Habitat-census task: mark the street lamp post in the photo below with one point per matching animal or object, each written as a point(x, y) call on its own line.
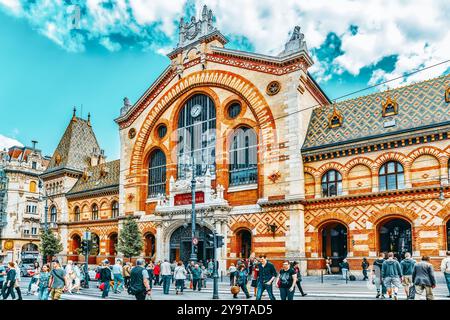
point(87, 235)
point(193, 214)
point(215, 272)
point(41, 185)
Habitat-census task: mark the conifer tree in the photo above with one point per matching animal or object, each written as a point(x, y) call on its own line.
point(50, 244)
point(130, 240)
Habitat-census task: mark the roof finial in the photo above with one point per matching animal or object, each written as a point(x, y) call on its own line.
point(89, 118)
point(74, 113)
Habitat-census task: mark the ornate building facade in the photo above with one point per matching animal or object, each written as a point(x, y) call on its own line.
point(20, 206)
point(278, 169)
point(377, 176)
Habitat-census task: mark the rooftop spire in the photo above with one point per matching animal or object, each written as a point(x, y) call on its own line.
point(74, 116)
point(89, 118)
point(191, 31)
point(295, 44)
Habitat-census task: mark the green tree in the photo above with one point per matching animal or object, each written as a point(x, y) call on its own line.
point(130, 240)
point(50, 244)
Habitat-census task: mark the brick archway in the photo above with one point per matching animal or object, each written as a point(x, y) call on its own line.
point(213, 78)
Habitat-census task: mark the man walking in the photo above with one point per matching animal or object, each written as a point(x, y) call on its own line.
point(391, 272)
point(407, 265)
point(105, 278)
point(266, 276)
point(58, 281)
point(423, 278)
point(166, 274)
point(196, 277)
point(344, 267)
point(378, 281)
point(445, 268)
point(139, 281)
point(118, 276)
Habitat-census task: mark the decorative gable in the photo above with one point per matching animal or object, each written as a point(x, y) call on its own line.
point(335, 119)
point(390, 107)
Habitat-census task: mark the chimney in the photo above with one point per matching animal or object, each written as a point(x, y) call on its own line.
point(34, 142)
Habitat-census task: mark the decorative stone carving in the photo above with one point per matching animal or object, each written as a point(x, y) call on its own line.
point(295, 44)
point(194, 30)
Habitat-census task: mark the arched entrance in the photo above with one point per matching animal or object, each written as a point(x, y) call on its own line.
point(334, 243)
point(244, 243)
point(149, 245)
point(95, 249)
point(30, 247)
point(112, 244)
point(395, 235)
point(75, 245)
point(180, 244)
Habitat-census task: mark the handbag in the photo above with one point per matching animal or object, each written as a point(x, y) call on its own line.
point(102, 286)
point(34, 288)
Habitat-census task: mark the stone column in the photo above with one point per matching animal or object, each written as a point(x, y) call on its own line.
point(295, 236)
point(160, 245)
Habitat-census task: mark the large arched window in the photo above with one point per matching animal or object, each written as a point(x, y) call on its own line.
point(157, 174)
point(391, 176)
point(94, 212)
point(197, 136)
point(243, 157)
point(331, 184)
point(53, 214)
point(77, 214)
point(115, 209)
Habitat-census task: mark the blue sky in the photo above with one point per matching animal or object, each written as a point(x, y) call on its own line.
point(47, 68)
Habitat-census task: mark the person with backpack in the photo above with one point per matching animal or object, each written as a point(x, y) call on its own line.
point(377, 279)
point(179, 274)
point(105, 278)
point(423, 278)
point(391, 272)
point(445, 269)
point(299, 278)
point(287, 279)
point(58, 281)
point(407, 265)
point(156, 273)
point(365, 265)
point(241, 277)
point(139, 281)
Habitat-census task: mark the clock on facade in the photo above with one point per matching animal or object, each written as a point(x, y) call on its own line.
point(196, 110)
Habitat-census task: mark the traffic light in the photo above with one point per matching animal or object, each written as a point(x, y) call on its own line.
point(210, 239)
point(219, 241)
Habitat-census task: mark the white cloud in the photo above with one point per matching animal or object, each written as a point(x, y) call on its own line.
point(416, 31)
point(6, 142)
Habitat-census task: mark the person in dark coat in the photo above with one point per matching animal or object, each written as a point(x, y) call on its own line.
point(423, 278)
point(365, 265)
point(10, 282)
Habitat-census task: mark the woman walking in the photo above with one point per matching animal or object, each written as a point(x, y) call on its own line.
point(286, 281)
point(34, 278)
point(17, 283)
point(42, 283)
point(241, 280)
point(179, 275)
point(254, 283)
point(10, 282)
point(232, 271)
point(299, 278)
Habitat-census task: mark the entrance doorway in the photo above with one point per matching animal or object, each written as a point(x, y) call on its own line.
point(334, 243)
point(395, 236)
point(244, 243)
point(149, 245)
point(180, 244)
point(76, 244)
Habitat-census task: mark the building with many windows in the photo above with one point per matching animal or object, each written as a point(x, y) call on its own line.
point(278, 169)
point(20, 205)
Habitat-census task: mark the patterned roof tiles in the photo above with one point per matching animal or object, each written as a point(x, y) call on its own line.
point(99, 177)
point(419, 105)
point(75, 147)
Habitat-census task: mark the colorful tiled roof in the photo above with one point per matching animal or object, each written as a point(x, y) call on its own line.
point(75, 147)
point(100, 177)
point(419, 105)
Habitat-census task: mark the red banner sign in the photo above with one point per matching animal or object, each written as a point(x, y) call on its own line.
point(186, 198)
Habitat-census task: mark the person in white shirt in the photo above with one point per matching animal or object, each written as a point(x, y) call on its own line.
point(179, 275)
point(117, 270)
point(166, 274)
point(445, 268)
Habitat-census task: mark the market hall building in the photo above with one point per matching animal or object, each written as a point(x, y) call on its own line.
point(279, 170)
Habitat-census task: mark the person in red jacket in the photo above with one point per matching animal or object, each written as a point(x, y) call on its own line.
point(156, 272)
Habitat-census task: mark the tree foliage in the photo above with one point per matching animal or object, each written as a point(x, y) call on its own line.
point(50, 244)
point(130, 239)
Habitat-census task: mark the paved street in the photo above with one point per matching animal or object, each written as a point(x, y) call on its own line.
point(333, 288)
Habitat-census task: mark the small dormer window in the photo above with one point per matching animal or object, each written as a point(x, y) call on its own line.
point(447, 95)
point(335, 119)
point(390, 107)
